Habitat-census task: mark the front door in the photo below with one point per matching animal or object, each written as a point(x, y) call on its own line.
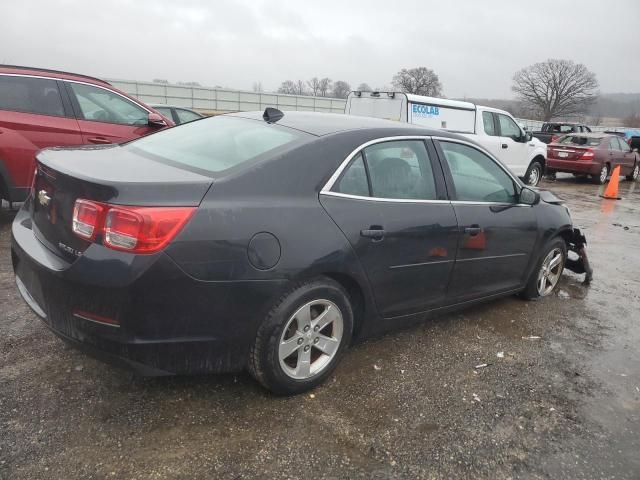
point(106, 117)
point(496, 234)
point(391, 205)
point(514, 149)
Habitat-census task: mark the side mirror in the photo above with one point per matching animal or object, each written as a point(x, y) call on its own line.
point(528, 136)
point(528, 196)
point(156, 120)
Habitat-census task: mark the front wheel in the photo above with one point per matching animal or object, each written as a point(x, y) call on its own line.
point(534, 173)
point(545, 277)
point(302, 338)
point(634, 173)
point(601, 177)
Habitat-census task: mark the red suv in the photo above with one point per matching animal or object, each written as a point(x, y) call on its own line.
point(46, 108)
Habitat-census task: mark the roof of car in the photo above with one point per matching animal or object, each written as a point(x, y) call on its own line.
point(320, 124)
point(45, 72)
point(164, 105)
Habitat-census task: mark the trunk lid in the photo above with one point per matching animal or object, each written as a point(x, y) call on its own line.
point(566, 152)
point(107, 174)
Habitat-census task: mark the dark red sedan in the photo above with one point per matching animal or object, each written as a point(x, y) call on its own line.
point(593, 154)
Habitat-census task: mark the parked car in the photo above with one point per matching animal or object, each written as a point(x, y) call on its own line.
point(43, 108)
point(496, 130)
point(630, 135)
point(594, 154)
point(179, 115)
point(552, 131)
point(273, 243)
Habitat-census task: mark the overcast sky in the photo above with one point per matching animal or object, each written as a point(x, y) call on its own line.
point(474, 46)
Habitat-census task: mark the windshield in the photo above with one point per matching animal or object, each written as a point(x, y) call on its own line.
point(580, 140)
point(218, 143)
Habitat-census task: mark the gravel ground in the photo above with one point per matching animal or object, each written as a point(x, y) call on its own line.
point(565, 404)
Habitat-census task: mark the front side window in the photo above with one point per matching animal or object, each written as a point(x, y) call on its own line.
point(30, 95)
point(217, 143)
point(508, 128)
point(100, 105)
point(477, 177)
point(186, 116)
point(624, 146)
point(489, 126)
point(613, 144)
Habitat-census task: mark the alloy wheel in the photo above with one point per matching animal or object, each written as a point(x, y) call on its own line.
point(603, 174)
point(534, 177)
point(636, 172)
point(550, 272)
point(311, 339)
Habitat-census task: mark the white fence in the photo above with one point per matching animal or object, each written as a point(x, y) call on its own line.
point(212, 101)
point(221, 100)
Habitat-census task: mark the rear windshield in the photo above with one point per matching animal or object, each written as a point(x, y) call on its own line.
point(218, 143)
point(581, 141)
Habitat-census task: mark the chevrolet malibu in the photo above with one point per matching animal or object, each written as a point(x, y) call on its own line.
point(273, 241)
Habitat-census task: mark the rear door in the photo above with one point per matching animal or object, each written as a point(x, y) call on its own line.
point(391, 204)
point(34, 114)
point(496, 234)
point(105, 116)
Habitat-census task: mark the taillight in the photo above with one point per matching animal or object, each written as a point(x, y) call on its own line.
point(588, 154)
point(144, 229)
point(130, 229)
point(87, 219)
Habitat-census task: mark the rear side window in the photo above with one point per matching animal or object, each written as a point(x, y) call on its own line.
point(100, 105)
point(30, 95)
point(395, 170)
point(218, 143)
point(489, 126)
point(580, 140)
point(476, 177)
point(624, 146)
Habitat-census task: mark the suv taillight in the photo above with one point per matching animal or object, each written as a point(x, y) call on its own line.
point(130, 229)
point(588, 154)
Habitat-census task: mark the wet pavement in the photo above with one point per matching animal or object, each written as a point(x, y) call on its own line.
point(559, 397)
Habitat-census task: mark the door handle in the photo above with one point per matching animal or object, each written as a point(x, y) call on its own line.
point(504, 145)
point(375, 232)
point(473, 230)
point(98, 140)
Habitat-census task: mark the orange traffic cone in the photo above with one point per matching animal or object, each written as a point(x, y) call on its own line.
point(611, 191)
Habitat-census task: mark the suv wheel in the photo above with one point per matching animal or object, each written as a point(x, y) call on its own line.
point(601, 177)
point(634, 173)
point(301, 340)
point(534, 173)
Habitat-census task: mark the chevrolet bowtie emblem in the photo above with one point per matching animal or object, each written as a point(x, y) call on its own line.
point(43, 198)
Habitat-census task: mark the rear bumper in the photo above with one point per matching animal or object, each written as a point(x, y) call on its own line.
point(167, 322)
point(574, 166)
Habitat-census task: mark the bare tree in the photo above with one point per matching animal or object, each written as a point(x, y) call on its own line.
point(556, 88)
point(314, 85)
point(257, 87)
point(364, 87)
point(419, 81)
point(301, 89)
point(189, 84)
point(293, 88)
point(325, 86)
point(160, 80)
point(341, 89)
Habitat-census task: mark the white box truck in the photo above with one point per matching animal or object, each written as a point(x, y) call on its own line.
point(495, 130)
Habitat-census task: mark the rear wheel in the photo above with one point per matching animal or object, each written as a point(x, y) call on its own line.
point(633, 176)
point(534, 173)
point(545, 277)
point(302, 339)
point(601, 177)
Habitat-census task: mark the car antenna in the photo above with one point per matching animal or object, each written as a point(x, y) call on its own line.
point(272, 115)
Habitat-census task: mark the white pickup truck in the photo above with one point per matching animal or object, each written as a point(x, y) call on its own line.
point(496, 130)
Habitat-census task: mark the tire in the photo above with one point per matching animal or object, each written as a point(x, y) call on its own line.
point(635, 173)
point(601, 178)
point(533, 290)
point(285, 373)
point(534, 173)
